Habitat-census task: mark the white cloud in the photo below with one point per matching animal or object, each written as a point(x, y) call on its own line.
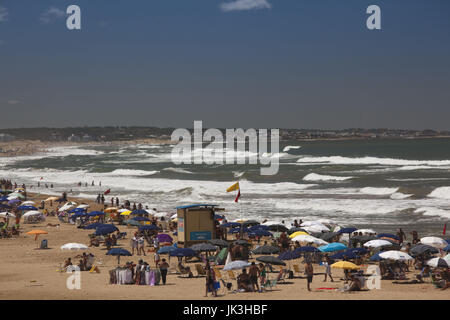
point(13, 102)
point(3, 14)
point(52, 14)
point(239, 5)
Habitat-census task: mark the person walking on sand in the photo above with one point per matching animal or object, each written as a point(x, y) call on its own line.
point(163, 267)
point(133, 243)
point(309, 271)
point(209, 286)
point(141, 245)
point(327, 269)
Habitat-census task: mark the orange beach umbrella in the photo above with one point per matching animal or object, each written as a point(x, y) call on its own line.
point(37, 232)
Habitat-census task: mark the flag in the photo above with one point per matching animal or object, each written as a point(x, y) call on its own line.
point(234, 187)
point(238, 196)
point(445, 228)
point(107, 191)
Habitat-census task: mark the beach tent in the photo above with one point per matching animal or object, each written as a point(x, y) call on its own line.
point(434, 242)
point(74, 246)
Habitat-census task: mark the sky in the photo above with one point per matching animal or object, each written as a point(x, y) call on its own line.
point(230, 63)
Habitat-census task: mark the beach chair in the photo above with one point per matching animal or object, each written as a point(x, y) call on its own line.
point(200, 271)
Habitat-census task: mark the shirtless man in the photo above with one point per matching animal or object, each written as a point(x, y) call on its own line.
point(309, 271)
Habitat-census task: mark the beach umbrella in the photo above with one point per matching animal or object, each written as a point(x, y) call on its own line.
point(292, 230)
point(235, 265)
point(105, 229)
point(78, 215)
point(266, 250)
point(358, 251)
point(271, 260)
point(447, 248)
point(447, 258)
point(219, 242)
point(65, 207)
point(132, 222)
point(335, 246)
point(346, 254)
point(62, 200)
point(434, 242)
point(364, 231)
point(96, 213)
point(51, 199)
point(326, 221)
point(363, 239)
point(328, 235)
point(316, 228)
point(118, 252)
point(140, 219)
point(250, 223)
point(260, 233)
point(150, 227)
point(83, 206)
point(345, 265)
point(139, 212)
point(309, 239)
point(438, 263)
point(423, 248)
point(13, 201)
point(238, 230)
point(36, 233)
point(377, 243)
point(307, 249)
point(183, 252)
point(125, 213)
point(290, 255)
point(111, 210)
point(203, 247)
point(5, 206)
point(157, 214)
point(230, 225)
point(395, 255)
point(31, 213)
point(242, 242)
point(387, 235)
point(28, 203)
point(77, 210)
point(7, 214)
point(74, 246)
point(166, 249)
point(375, 257)
point(26, 208)
point(259, 227)
point(278, 228)
point(298, 233)
point(94, 225)
point(163, 237)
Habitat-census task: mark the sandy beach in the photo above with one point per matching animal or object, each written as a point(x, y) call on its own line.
point(30, 273)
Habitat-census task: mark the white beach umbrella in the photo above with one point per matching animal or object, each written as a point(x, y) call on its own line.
point(395, 255)
point(377, 243)
point(174, 216)
point(364, 231)
point(31, 213)
point(74, 246)
point(83, 206)
point(434, 242)
point(438, 263)
point(447, 258)
point(9, 214)
point(308, 239)
point(160, 214)
point(27, 203)
point(66, 207)
point(237, 264)
point(310, 223)
point(271, 222)
point(316, 228)
point(151, 211)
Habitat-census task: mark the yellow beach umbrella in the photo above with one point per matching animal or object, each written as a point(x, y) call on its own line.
point(298, 233)
point(345, 265)
point(125, 213)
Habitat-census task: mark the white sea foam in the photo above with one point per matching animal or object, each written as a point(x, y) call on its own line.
point(177, 170)
point(432, 211)
point(131, 172)
point(287, 148)
point(371, 161)
point(440, 193)
point(378, 191)
point(320, 177)
point(238, 174)
point(399, 196)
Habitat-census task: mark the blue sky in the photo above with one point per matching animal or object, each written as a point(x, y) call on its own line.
point(285, 64)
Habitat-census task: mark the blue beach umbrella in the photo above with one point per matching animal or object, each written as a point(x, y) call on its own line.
point(106, 229)
point(230, 225)
point(238, 230)
point(358, 251)
point(77, 210)
point(140, 219)
point(447, 248)
point(347, 230)
point(290, 255)
point(78, 215)
point(4, 198)
point(118, 252)
point(341, 255)
point(139, 212)
point(150, 227)
point(259, 233)
point(96, 213)
point(166, 249)
point(183, 252)
point(26, 208)
point(13, 201)
point(331, 247)
point(259, 227)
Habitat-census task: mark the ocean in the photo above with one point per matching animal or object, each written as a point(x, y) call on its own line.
point(382, 184)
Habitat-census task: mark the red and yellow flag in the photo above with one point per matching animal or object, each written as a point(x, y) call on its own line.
point(234, 187)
